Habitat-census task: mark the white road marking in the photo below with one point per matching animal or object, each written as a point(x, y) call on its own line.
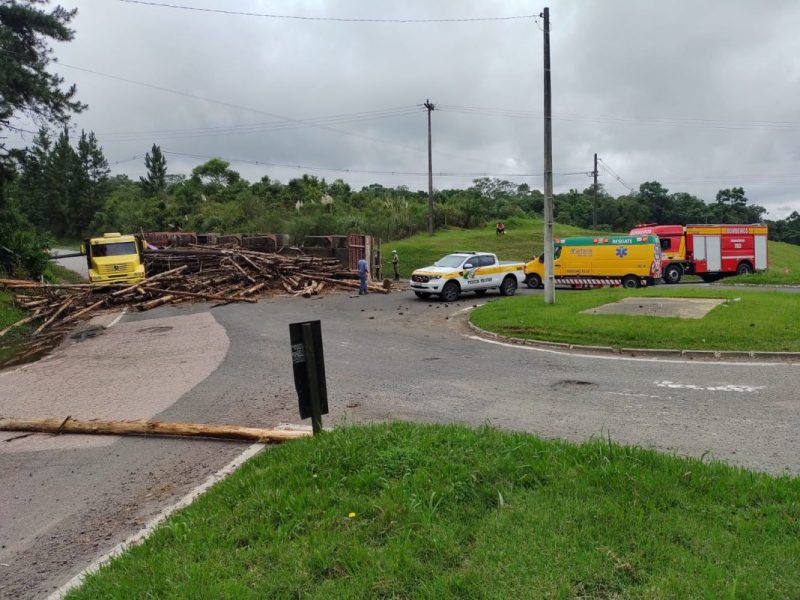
point(633, 395)
point(710, 388)
point(632, 358)
point(142, 534)
point(117, 319)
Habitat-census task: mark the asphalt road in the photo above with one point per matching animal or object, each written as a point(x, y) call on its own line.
point(387, 357)
point(73, 263)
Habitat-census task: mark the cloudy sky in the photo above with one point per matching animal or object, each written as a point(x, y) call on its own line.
point(697, 95)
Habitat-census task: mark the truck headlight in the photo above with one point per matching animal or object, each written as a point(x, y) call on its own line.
point(435, 277)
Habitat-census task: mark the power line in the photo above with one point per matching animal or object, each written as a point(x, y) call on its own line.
point(333, 19)
point(361, 171)
point(611, 172)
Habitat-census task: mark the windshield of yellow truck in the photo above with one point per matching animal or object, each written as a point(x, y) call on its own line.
point(115, 249)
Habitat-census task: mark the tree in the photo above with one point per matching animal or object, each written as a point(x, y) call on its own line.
point(215, 173)
point(155, 182)
point(26, 87)
point(655, 198)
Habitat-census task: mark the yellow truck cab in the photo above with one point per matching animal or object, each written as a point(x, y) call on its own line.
point(114, 258)
point(628, 261)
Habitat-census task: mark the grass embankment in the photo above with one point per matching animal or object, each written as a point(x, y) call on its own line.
point(450, 512)
point(10, 314)
point(759, 320)
point(523, 239)
point(57, 274)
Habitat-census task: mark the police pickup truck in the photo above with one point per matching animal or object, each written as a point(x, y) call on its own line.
point(467, 272)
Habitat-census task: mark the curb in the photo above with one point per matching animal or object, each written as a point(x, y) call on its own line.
point(732, 355)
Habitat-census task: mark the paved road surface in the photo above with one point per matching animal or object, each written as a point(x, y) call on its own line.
point(73, 263)
point(387, 357)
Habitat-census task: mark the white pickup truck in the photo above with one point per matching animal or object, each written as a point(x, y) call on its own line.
point(467, 272)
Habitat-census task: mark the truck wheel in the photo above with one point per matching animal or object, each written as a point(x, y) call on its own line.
point(422, 295)
point(673, 274)
point(630, 281)
point(744, 268)
point(451, 291)
point(480, 292)
point(534, 281)
point(509, 286)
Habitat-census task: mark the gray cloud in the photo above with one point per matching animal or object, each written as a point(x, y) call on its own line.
point(700, 96)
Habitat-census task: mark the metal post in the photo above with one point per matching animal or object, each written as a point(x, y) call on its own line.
point(594, 194)
point(549, 279)
point(313, 384)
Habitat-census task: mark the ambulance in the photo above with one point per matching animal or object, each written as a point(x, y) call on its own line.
point(627, 261)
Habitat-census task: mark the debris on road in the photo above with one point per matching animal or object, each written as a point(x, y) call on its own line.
point(151, 428)
point(196, 273)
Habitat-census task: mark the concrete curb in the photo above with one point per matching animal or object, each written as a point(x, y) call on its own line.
point(731, 355)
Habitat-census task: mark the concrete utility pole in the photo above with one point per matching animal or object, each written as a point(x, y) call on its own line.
point(549, 279)
point(431, 107)
point(594, 194)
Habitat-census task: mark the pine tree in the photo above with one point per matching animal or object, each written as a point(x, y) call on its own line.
point(155, 182)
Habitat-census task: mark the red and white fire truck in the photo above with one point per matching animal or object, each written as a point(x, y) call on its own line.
point(710, 251)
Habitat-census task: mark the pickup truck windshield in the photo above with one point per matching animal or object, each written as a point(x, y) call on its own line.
point(451, 261)
point(117, 249)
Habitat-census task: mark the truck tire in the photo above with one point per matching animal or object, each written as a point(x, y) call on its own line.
point(451, 291)
point(533, 281)
point(630, 281)
point(509, 286)
point(422, 295)
point(744, 268)
point(673, 273)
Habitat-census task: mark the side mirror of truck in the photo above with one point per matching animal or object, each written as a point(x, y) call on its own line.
point(541, 258)
point(82, 248)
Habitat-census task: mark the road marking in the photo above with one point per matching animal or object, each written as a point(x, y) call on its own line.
point(633, 395)
point(142, 534)
point(710, 388)
point(117, 319)
point(632, 358)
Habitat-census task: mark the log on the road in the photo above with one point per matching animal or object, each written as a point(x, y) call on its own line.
point(150, 428)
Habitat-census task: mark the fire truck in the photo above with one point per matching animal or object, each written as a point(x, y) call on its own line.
point(710, 251)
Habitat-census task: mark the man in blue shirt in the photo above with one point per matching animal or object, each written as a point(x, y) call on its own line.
point(363, 273)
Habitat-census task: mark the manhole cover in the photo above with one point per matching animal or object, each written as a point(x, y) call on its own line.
point(162, 329)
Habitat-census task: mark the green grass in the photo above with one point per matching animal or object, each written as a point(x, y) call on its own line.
point(759, 320)
point(449, 512)
point(57, 274)
point(10, 314)
point(524, 238)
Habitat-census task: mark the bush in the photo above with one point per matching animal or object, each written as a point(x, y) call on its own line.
point(23, 249)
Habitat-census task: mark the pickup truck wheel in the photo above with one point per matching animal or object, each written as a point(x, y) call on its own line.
point(422, 295)
point(533, 281)
point(480, 292)
point(673, 274)
point(744, 268)
point(630, 282)
point(509, 286)
point(451, 291)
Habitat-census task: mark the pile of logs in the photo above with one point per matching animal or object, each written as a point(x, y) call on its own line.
point(221, 275)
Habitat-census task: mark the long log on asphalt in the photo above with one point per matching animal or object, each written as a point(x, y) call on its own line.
point(154, 428)
point(200, 295)
point(54, 316)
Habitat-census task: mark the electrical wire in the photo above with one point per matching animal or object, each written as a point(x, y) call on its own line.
point(363, 171)
point(333, 19)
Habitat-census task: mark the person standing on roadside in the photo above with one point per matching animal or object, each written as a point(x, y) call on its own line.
point(396, 265)
point(363, 273)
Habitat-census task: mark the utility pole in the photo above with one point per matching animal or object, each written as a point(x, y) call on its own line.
point(431, 107)
point(594, 194)
point(549, 279)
